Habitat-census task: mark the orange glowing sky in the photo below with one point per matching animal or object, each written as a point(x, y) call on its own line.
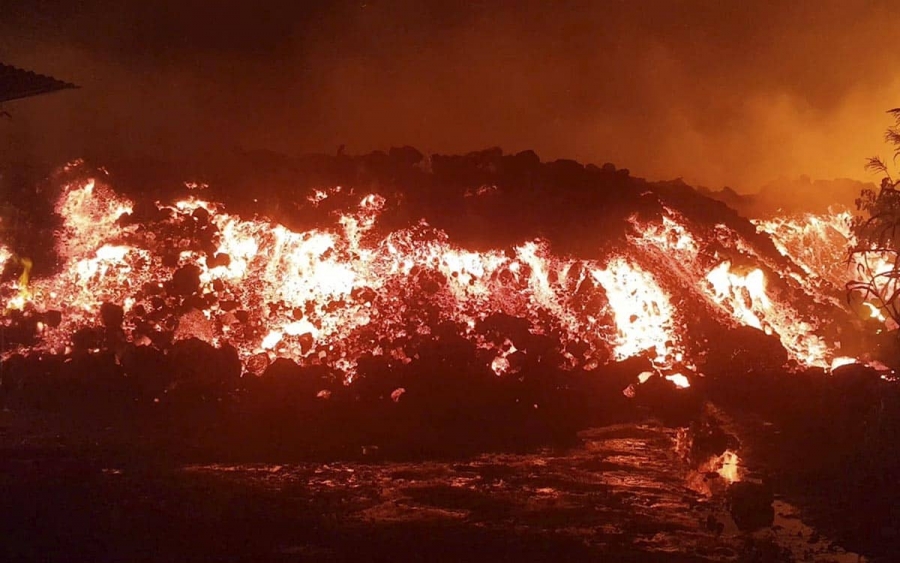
point(720, 93)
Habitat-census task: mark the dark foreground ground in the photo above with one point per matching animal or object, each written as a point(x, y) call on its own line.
point(456, 471)
point(622, 494)
point(829, 443)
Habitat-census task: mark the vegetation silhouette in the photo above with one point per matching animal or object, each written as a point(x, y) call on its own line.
point(877, 248)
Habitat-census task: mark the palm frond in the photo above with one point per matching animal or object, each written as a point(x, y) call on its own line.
point(875, 164)
point(892, 136)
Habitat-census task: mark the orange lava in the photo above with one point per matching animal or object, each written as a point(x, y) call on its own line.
point(328, 296)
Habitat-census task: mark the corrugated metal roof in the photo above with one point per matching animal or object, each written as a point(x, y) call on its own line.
point(16, 83)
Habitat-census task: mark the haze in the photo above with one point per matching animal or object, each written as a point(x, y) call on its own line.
point(719, 93)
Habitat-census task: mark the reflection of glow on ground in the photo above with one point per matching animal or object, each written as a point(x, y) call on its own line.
point(623, 483)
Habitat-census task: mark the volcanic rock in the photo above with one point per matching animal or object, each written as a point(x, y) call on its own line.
point(673, 406)
point(499, 326)
point(218, 259)
point(229, 363)
point(12, 372)
point(306, 342)
point(22, 331)
point(855, 374)
point(111, 315)
point(566, 172)
point(258, 363)
point(407, 155)
point(150, 368)
point(742, 350)
point(200, 369)
point(282, 369)
point(87, 339)
point(750, 505)
point(185, 280)
point(52, 318)
point(524, 161)
point(284, 383)
point(708, 439)
point(201, 215)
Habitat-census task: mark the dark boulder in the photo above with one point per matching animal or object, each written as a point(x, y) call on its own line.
point(750, 505)
point(185, 280)
point(112, 315)
point(407, 155)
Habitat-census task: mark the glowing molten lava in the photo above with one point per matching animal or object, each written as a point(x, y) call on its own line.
point(642, 311)
point(329, 296)
point(819, 244)
point(745, 294)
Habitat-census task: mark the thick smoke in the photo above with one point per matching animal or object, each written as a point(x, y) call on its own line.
point(717, 93)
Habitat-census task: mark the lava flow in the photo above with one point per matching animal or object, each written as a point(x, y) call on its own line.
point(819, 244)
point(327, 296)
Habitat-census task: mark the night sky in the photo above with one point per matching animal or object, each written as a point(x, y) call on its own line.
point(720, 93)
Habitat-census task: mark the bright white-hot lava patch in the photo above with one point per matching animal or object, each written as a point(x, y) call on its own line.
point(643, 313)
point(744, 294)
point(5, 256)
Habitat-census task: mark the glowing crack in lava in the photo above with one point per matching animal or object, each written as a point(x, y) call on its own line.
point(329, 296)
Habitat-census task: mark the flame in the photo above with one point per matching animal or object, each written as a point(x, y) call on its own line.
point(728, 466)
point(24, 277)
point(23, 293)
